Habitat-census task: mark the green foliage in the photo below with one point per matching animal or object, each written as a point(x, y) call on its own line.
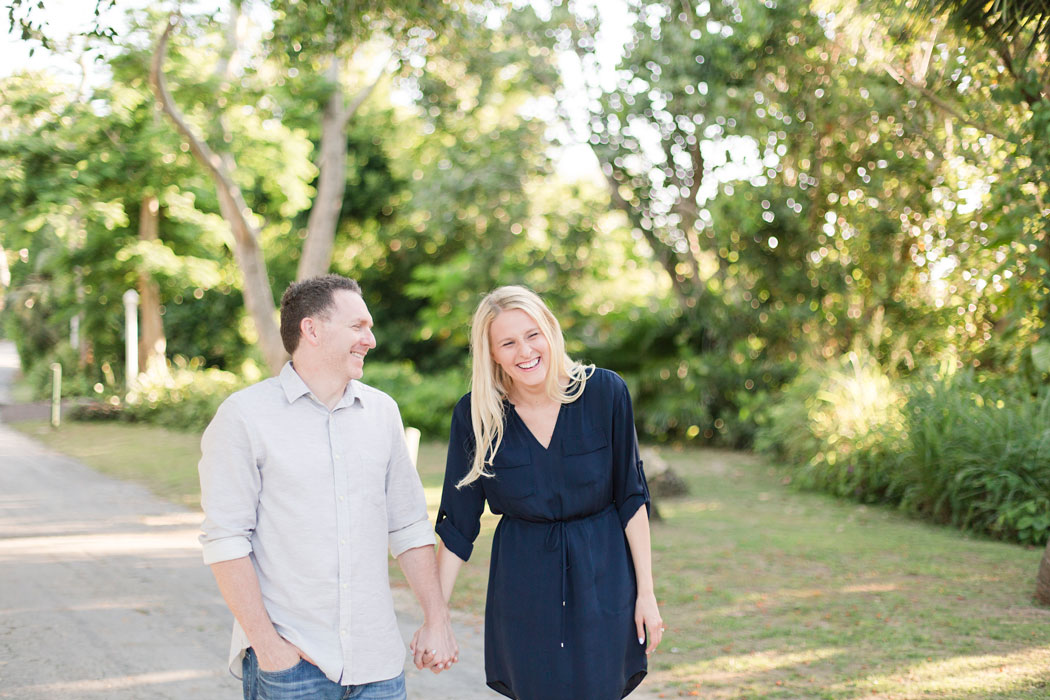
point(836, 424)
point(183, 398)
point(426, 401)
point(955, 447)
point(977, 455)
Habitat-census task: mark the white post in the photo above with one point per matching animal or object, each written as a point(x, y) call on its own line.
point(412, 439)
point(56, 394)
point(131, 337)
point(74, 333)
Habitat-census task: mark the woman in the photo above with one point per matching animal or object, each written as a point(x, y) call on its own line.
point(551, 445)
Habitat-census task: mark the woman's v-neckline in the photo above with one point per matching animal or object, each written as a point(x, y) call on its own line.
point(554, 430)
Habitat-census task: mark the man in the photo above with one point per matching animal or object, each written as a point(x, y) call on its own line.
point(305, 483)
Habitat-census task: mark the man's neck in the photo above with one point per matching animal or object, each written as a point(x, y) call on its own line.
point(325, 388)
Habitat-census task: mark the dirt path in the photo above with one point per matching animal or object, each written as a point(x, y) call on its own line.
point(103, 595)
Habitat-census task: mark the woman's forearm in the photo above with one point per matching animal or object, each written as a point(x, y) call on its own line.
point(637, 532)
point(448, 569)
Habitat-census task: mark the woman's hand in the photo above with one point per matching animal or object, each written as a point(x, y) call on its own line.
point(647, 616)
point(434, 647)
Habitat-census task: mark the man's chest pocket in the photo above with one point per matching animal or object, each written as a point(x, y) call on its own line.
point(586, 458)
point(367, 478)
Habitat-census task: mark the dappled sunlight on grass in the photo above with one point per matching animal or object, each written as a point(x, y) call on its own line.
point(870, 588)
point(670, 509)
point(962, 676)
point(729, 667)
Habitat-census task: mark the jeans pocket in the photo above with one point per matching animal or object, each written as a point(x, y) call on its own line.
point(392, 689)
point(304, 681)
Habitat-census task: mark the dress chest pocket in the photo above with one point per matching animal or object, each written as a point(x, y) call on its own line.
point(586, 458)
point(514, 476)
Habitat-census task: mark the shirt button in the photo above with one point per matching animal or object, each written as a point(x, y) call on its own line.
point(342, 541)
point(342, 632)
point(341, 498)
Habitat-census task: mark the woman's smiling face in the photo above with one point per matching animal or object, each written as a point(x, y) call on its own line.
point(519, 348)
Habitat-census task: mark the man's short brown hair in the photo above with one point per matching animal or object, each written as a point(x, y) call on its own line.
point(312, 297)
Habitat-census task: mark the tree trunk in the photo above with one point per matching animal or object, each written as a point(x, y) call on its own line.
point(331, 180)
point(258, 296)
point(152, 343)
point(331, 184)
point(1042, 581)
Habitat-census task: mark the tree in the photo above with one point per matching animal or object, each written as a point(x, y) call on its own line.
point(344, 26)
point(1016, 39)
point(1019, 35)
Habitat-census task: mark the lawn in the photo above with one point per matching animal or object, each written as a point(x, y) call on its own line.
point(766, 592)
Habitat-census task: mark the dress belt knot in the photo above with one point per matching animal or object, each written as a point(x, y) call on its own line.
point(557, 539)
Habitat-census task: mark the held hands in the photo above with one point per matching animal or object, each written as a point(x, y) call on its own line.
point(647, 616)
point(434, 646)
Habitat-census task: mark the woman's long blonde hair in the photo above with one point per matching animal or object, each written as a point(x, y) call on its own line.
point(489, 383)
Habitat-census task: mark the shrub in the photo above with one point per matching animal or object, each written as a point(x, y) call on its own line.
point(960, 448)
point(711, 398)
point(978, 456)
point(837, 423)
point(426, 401)
point(185, 397)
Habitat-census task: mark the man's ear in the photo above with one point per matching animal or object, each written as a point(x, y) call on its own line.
point(309, 330)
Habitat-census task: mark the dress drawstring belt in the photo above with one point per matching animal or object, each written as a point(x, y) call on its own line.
point(557, 538)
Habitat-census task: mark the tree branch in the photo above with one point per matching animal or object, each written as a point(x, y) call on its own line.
point(363, 94)
point(258, 296)
point(942, 104)
point(205, 155)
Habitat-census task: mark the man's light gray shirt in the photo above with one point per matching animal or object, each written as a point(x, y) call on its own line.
point(315, 498)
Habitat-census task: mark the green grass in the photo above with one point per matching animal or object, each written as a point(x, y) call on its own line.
point(21, 391)
point(766, 592)
point(165, 461)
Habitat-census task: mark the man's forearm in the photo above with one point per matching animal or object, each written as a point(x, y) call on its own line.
point(434, 644)
point(239, 586)
point(420, 568)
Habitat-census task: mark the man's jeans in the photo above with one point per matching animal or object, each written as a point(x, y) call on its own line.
point(305, 681)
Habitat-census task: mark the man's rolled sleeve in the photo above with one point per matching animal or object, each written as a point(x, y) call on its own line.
point(226, 549)
point(407, 522)
point(230, 485)
point(418, 534)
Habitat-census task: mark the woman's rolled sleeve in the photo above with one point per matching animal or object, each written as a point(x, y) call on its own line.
point(459, 516)
point(630, 491)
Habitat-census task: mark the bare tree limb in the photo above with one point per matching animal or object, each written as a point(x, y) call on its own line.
point(363, 94)
point(321, 226)
point(258, 297)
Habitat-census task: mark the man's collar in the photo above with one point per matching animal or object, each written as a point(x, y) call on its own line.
point(295, 388)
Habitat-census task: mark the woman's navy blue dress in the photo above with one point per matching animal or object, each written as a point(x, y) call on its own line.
point(559, 618)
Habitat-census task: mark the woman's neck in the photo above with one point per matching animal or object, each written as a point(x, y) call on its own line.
point(530, 396)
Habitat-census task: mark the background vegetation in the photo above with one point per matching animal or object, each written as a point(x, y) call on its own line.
point(818, 227)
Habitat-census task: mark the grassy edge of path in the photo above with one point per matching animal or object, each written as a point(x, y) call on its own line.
point(767, 592)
